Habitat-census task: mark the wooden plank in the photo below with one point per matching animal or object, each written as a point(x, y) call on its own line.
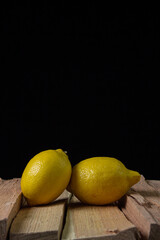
point(41, 222)
point(140, 216)
point(97, 222)
point(147, 191)
point(155, 184)
point(141, 206)
point(10, 202)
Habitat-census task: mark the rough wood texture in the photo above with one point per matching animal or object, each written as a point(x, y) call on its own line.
point(155, 184)
point(141, 206)
point(41, 222)
point(147, 191)
point(10, 202)
point(97, 222)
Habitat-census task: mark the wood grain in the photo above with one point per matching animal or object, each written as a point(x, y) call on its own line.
point(155, 184)
point(147, 191)
point(41, 222)
point(10, 202)
point(97, 222)
point(141, 206)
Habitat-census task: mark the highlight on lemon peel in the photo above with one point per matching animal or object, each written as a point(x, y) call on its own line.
point(101, 180)
point(46, 176)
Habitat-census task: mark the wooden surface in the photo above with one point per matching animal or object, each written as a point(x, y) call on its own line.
point(155, 184)
point(10, 202)
point(97, 222)
point(135, 216)
point(141, 207)
point(41, 222)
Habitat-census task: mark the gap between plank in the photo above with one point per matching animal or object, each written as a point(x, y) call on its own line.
point(65, 214)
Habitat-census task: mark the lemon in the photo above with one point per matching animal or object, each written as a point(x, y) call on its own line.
point(101, 180)
point(46, 176)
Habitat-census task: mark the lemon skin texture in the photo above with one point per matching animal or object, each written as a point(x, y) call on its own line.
point(45, 177)
point(101, 180)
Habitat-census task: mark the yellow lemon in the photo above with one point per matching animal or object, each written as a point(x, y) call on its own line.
point(101, 180)
point(46, 176)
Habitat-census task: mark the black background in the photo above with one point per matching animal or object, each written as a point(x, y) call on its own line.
point(83, 78)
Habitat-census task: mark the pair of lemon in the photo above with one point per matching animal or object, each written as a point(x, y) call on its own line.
point(97, 180)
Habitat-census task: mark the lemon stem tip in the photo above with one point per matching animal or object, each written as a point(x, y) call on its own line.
point(134, 177)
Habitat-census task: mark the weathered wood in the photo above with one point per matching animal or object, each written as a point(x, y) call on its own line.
point(10, 202)
point(141, 206)
point(155, 184)
point(97, 222)
point(41, 222)
point(147, 191)
point(140, 217)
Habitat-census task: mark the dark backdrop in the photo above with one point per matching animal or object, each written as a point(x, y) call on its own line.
point(80, 78)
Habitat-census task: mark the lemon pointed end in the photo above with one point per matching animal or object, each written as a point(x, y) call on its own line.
point(134, 177)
